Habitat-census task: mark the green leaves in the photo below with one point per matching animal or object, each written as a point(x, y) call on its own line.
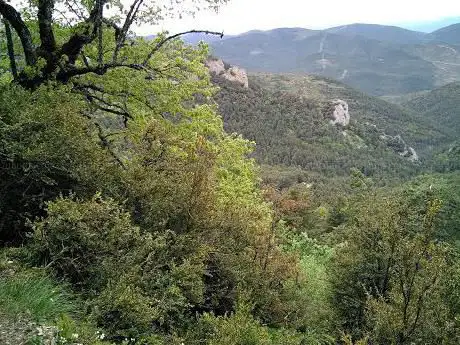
point(388, 276)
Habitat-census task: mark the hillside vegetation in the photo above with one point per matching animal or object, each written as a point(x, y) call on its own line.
point(134, 211)
point(295, 131)
point(442, 106)
point(288, 116)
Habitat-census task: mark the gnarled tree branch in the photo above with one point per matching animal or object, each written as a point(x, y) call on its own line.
point(45, 20)
point(14, 18)
point(130, 17)
point(10, 48)
point(75, 44)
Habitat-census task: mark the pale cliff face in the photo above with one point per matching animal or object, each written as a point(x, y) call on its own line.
point(234, 74)
point(340, 114)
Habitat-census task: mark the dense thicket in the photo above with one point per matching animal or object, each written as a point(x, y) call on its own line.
point(151, 213)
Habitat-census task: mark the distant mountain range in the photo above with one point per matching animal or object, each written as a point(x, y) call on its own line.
point(431, 25)
point(377, 59)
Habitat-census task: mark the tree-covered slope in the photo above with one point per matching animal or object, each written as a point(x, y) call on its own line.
point(289, 118)
point(449, 34)
point(442, 106)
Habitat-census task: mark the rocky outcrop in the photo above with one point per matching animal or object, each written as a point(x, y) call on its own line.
point(396, 143)
point(409, 153)
point(340, 114)
point(231, 73)
point(399, 146)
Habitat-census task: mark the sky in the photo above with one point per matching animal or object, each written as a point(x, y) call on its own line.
point(240, 16)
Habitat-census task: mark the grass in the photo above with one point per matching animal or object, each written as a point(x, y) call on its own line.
point(36, 297)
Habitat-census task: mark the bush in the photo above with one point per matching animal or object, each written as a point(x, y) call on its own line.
point(87, 242)
point(46, 148)
point(241, 328)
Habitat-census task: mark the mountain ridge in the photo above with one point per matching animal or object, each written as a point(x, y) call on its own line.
point(379, 60)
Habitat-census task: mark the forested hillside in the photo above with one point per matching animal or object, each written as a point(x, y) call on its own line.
point(441, 107)
point(293, 130)
point(288, 116)
point(136, 208)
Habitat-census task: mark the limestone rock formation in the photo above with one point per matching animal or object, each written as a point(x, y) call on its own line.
point(231, 73)
point(340, 114)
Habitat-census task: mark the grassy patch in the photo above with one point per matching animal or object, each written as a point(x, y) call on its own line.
point(37, 297)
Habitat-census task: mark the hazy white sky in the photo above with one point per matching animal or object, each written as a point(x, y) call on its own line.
point(243, 15)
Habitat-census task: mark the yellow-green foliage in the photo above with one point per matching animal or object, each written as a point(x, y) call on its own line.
point(154, 223)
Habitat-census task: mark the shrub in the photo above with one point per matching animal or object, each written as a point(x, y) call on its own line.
point(87, 242)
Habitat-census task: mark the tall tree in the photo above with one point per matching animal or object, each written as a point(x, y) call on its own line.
point(98, 35)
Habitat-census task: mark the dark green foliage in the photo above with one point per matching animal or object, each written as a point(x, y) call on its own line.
point(445, 188)
point(440, 106)
point(388, 276)
point(294, 130)
point(85, 242)
point(46, 148)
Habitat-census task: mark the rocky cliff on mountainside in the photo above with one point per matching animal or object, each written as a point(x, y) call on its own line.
point(231, 73)
point(340, 114)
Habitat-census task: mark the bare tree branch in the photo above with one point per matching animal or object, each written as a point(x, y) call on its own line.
point(100, 102)
point(130, 17)
point(65, 75)
point(104, 142)
point(100, 54)
point(169, 38)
